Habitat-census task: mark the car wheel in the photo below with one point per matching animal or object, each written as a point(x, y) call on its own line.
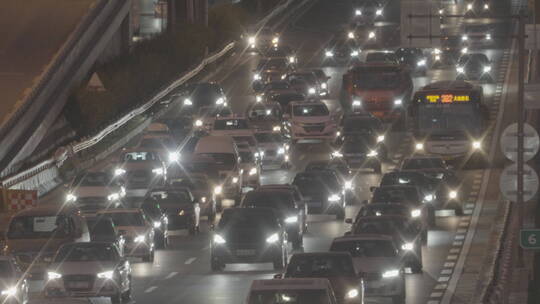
point(216, 265)
point(340, 215)
point(399, 299)
point(116, 299)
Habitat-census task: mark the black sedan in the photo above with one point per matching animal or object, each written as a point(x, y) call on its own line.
point(322, 192)
point(180, 206)
point(414, 58)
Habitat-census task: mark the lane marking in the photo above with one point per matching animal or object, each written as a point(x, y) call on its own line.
point(443, 279)
point(447, 271)
point(190, 260)
point(436, 295)
point(171, 275)
point(449, 264)
point(150, 289)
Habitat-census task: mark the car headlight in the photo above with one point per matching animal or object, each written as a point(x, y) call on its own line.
point(311, 91)
point(218, 239)
point(372, 153)
point(334, 198)
point(350, 35)
point(437, 51)
point(157, 224)
point(437, 57)
point(253, 171)
point(220, 101)
point(324, 85)
point(119, 171)
point(452, 194)
point(371, 35)
point(9, 292)
point(140, 239)
point(337, 154)
point(291, 219)
point(113, 197)
point(487, 69)
point(428, 198)
point(419, 146)
point(174, 156)
point(273, 238)
point(292, 59)
point(407, 246)
point(71, 197)
point(464, 50)
point(464, 38)
point(106, 275)
point(390, 273)
point(441, 11)
point(235, 180)
point(486, 6)
point(460, 70)
point(378, 12)
point(203, 199)
point(488, 36)
point(352, 293)
point(358, 12)
point(476, 144)
point(281, 151)
point(53, 275)
point(356, 103)
point(275, 40)
point(416, 213)
point(188, 102)
point(469, 6)
point(398, 102)
point(198, 123)
point(328, 54)
point(380, 138)
point(257, 77)
point(354, 54)
point(251, 40)
point(421, 62)
point(157, 171)
point(348, 185)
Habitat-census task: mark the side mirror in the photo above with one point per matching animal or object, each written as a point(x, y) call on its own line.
point(278, 276)
point(348, 221)
point(372, 188)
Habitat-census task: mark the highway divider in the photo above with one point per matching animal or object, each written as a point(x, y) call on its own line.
point(45, 176)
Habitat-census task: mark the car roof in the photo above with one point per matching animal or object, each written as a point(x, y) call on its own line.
point(364, 236)
point(120, 210)
point(291, 283)
point(449, 85)
point(384, 217)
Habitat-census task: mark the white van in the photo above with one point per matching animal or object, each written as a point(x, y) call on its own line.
point(223, 150)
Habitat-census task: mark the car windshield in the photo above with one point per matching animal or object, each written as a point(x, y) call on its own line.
point(247, 157)
point(402, 178)
point(408, 52)
point(366, 248)
point(320, 266)
point(314, 184)
point(375, 79)
point(222, 161)
point(172, 196)
point(308, 110)
point(93, 179)
point(192, 182)
point(308, 77)
point(385, 226)
point(230, 124)
point(381, 57)
point(127, 218)
point(352, 145)
point(363, 125)
point(268, 137)
point(285, 99)
point(270, 199)
point(277, 85)
point(289, 296)
point(46, 226)
point(86, 253)
point(396, 195)
point(98, 227)
point(247, 219)
point(423, 163)
point(474, 59)
point(6, 270)
point(139, 157)
point(384, 209)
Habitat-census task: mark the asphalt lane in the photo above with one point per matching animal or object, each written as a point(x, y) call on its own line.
point(181, 273)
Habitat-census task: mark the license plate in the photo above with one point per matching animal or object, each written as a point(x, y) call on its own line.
point(79, 285)
point(245, 252)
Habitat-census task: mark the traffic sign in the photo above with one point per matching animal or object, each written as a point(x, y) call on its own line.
point(531, 142)
point(423, 26)
point(508, 182)
point(529, 238)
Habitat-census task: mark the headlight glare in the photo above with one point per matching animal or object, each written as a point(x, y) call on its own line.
point(188, 102)
point(253, 171)
point(477, 144)
point(460, 70)
point(421, 62)
point(218, 190)
point(9, 292)
point(398, 102)
point(333, 198)
point(348, 185)
point(329, 54)
point(174, 156)
point(378, 12)
point(311, 91)
point(53, 275)
point(198, 123)
point(113, 197)
point(390, 273)
point(380, 138)
point(158, 171)
point(353, 293)
point(140, 239)
point(452, 194)
point(407, 246)
point(71, 197)
point(356, 103)
point(419, 146)
point(428, 198)
point(119, 171)
point(416, 213)
point(106, 275)
point(487, 69)
point(291, 219)
point(281, 151)
point(157, 224)
point(218, 239)
point(372, 153)
point(273, 238)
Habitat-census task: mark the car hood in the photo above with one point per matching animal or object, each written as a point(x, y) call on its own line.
point(174, 208)
point(270, 146)
point(312, 119)
point(92, 191)
point(35, 245)
point(132, 230)
point(376, 264)
point(135, 166)
point(70, 268)
point(374, 95)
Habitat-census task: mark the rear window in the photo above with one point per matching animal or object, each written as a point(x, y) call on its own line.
point(127, 218)
point(139, 156)
point(248, 219)
point(385, 226)
point(423, 163)
point(47, 226)
point(269, 199)
point(100, 227)
point(320, 266)
point(289, 296)
point(396, 194)
point(93, 179)
point(86, 253)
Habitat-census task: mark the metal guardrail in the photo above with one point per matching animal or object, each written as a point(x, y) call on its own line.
point(63, 153)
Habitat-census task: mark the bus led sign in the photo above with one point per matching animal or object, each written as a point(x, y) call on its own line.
point(447, 98)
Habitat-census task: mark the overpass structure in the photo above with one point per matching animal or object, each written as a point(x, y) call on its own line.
point(47, 48)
